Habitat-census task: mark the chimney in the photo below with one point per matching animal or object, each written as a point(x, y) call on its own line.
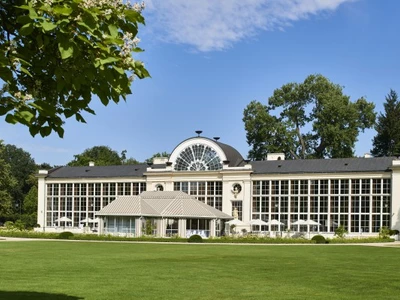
point(91, 163)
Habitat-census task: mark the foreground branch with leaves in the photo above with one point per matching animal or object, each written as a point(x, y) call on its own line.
point(55, 55)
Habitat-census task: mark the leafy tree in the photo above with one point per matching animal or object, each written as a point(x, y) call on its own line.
point(131, 161)
point(22, 166)
point(158, 154)
point(44, 166)
point(387, 140)
point(313, 119)
point(100, 155)
point(128, 161)
point(7, 184)
point(55, 55)
point(31, 201)
point(30, 206)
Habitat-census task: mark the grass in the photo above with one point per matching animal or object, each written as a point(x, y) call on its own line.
point(67, 270)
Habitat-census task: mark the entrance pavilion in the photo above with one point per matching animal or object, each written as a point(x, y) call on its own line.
point(162, 214)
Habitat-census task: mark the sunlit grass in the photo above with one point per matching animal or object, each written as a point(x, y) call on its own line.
point(104, 270)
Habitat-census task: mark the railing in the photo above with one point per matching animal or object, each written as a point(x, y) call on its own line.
point(202, 233)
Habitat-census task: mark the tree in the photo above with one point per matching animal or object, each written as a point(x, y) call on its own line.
point(55, 55)
point(30, 206)
point(100, 155)
point(7, 184)
point(387, 140)
point(158, 154)
point(128, 161)
point(22, 166)
point(317, 105)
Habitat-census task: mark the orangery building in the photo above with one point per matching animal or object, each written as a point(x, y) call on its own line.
point(205, 184)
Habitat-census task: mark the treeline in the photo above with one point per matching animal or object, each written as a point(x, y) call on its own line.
point(18, 185)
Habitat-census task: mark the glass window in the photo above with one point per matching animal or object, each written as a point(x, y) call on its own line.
point(198, 157)
point(323, 187)
point(344, 186)
point(376, 186)
point(386, 186)
point(294, 187)
point(355, 186)
point(275, 187)
point(365, 186)
point(284, 187)
point(239, 207)
point(334, 187)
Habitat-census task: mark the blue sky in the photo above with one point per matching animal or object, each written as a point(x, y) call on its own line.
point(208, 59)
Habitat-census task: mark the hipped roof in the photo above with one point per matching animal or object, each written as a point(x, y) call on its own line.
point(162, 204)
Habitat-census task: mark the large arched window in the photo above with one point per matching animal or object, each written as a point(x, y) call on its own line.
point(198, 157)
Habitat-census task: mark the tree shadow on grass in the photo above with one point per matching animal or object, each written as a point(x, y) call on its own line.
point(24, 295)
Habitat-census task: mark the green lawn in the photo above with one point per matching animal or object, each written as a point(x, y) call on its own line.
point(103, 270)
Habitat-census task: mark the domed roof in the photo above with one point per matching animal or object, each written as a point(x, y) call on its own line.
point(204, 154)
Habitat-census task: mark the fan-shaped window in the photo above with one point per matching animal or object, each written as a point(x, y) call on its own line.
point(198, 157)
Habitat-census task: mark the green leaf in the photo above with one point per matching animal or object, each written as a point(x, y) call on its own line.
point(26, 71)
point(48, 26)
point(66, 49)
point(11, 119)
point(79, 118)
point(119, 70)
point(24, 19)
point(109, 60)
point(113, 30)
point(45, 131)
point(4, 109)
point(39, 40)
point(44, 107)
point(26, 29)
point(33, 130)
point(25, 115)
point(68, 113)
point(6, 74)
point(60, 131)
point(62, 10)
point(133, 16)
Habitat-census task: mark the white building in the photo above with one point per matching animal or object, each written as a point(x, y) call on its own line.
point(363, 194)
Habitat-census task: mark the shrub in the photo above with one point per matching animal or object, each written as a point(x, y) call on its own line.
point(384, 232)
point(341, 232)
point(65, 235)
point(319, 239)
point(393, 232)
point(195, 239)
point(9, 225)
point(19, 225)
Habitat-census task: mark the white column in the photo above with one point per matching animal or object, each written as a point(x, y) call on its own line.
point(101, 226)
point(138, 227)
point(161, 226)
point(212, 228)
point(182, 228)
point(395, 211)
point(41, 213)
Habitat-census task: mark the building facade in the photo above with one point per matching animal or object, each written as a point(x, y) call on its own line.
point(362, 194)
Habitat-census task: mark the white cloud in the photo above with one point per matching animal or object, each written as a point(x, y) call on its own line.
point(209, 25)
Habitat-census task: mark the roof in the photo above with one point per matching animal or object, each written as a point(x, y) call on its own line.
point(162, 204)
point(98, 171)
point(234, 157)
point(339, 165)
